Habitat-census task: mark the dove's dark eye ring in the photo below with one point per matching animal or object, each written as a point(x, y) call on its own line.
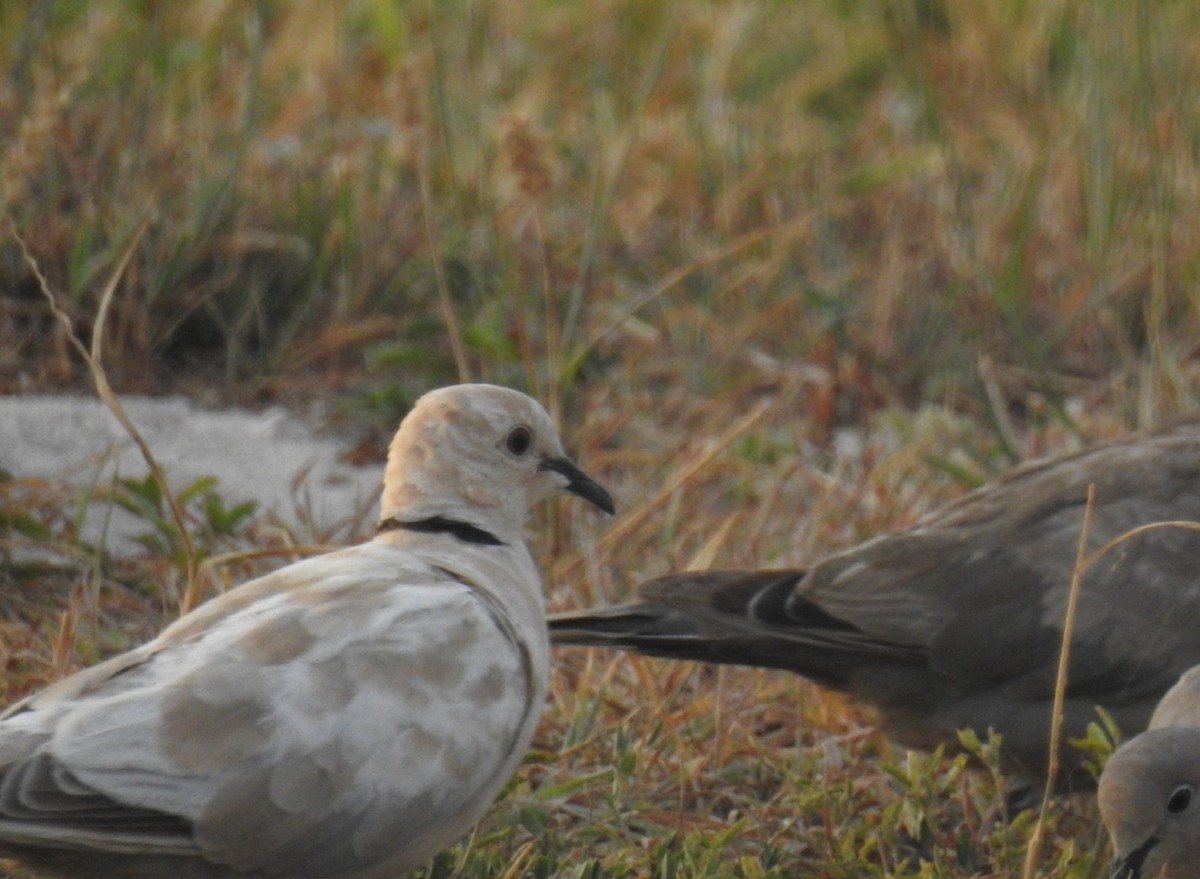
point(519, 440)
point(1180, 799)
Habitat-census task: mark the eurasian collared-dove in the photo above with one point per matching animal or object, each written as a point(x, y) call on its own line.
point(957, 621)
point(1148, 791)
point(346, 716)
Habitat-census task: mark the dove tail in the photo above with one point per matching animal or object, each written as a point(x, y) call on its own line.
point(753, 618)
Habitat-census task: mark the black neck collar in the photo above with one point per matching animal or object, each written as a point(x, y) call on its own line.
point(440, 525)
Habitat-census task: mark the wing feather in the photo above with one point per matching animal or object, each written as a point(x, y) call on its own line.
point(217, 747)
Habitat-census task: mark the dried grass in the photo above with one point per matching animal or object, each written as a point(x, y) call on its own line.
point(788, 274)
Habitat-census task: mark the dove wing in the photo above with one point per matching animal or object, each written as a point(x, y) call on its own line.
point(354, 706)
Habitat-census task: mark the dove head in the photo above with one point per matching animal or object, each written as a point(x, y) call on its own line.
point(480, 455)
point(1149, 797)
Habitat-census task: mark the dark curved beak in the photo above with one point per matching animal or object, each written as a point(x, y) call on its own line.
point(580, 483)
point(1130, 866)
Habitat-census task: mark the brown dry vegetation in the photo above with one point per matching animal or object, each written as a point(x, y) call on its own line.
point(789, 273)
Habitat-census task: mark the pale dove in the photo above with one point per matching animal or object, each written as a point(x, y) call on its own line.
point(1148, 791)
point(957, 622)
point(1181, 705)
point(346, 716)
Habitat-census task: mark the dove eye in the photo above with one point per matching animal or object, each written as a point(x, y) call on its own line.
point(1180, 799)
point(519, 440)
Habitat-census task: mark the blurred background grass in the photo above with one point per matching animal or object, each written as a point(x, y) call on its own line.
point(936, 237)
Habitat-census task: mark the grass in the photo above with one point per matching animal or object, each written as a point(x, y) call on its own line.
point(788, 275)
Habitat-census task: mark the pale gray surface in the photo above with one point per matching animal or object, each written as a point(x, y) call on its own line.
point(269, 457)
point(1181, 705)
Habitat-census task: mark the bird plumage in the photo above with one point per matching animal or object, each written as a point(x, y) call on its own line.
point(346, 716)
point(957, 621)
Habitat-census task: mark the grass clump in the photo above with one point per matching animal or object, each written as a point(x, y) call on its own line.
point(788, 275)
point(481, 189)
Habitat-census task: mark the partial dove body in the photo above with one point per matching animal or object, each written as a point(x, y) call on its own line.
point(957, 621)
point(1181, 705)
point(349, 715)
point(1148, 791)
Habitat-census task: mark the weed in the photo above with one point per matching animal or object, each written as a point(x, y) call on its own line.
point(787, 274)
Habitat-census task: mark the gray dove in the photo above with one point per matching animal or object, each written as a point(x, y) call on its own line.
point(349, 715)
point(1148, 789)
point(957, 621)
